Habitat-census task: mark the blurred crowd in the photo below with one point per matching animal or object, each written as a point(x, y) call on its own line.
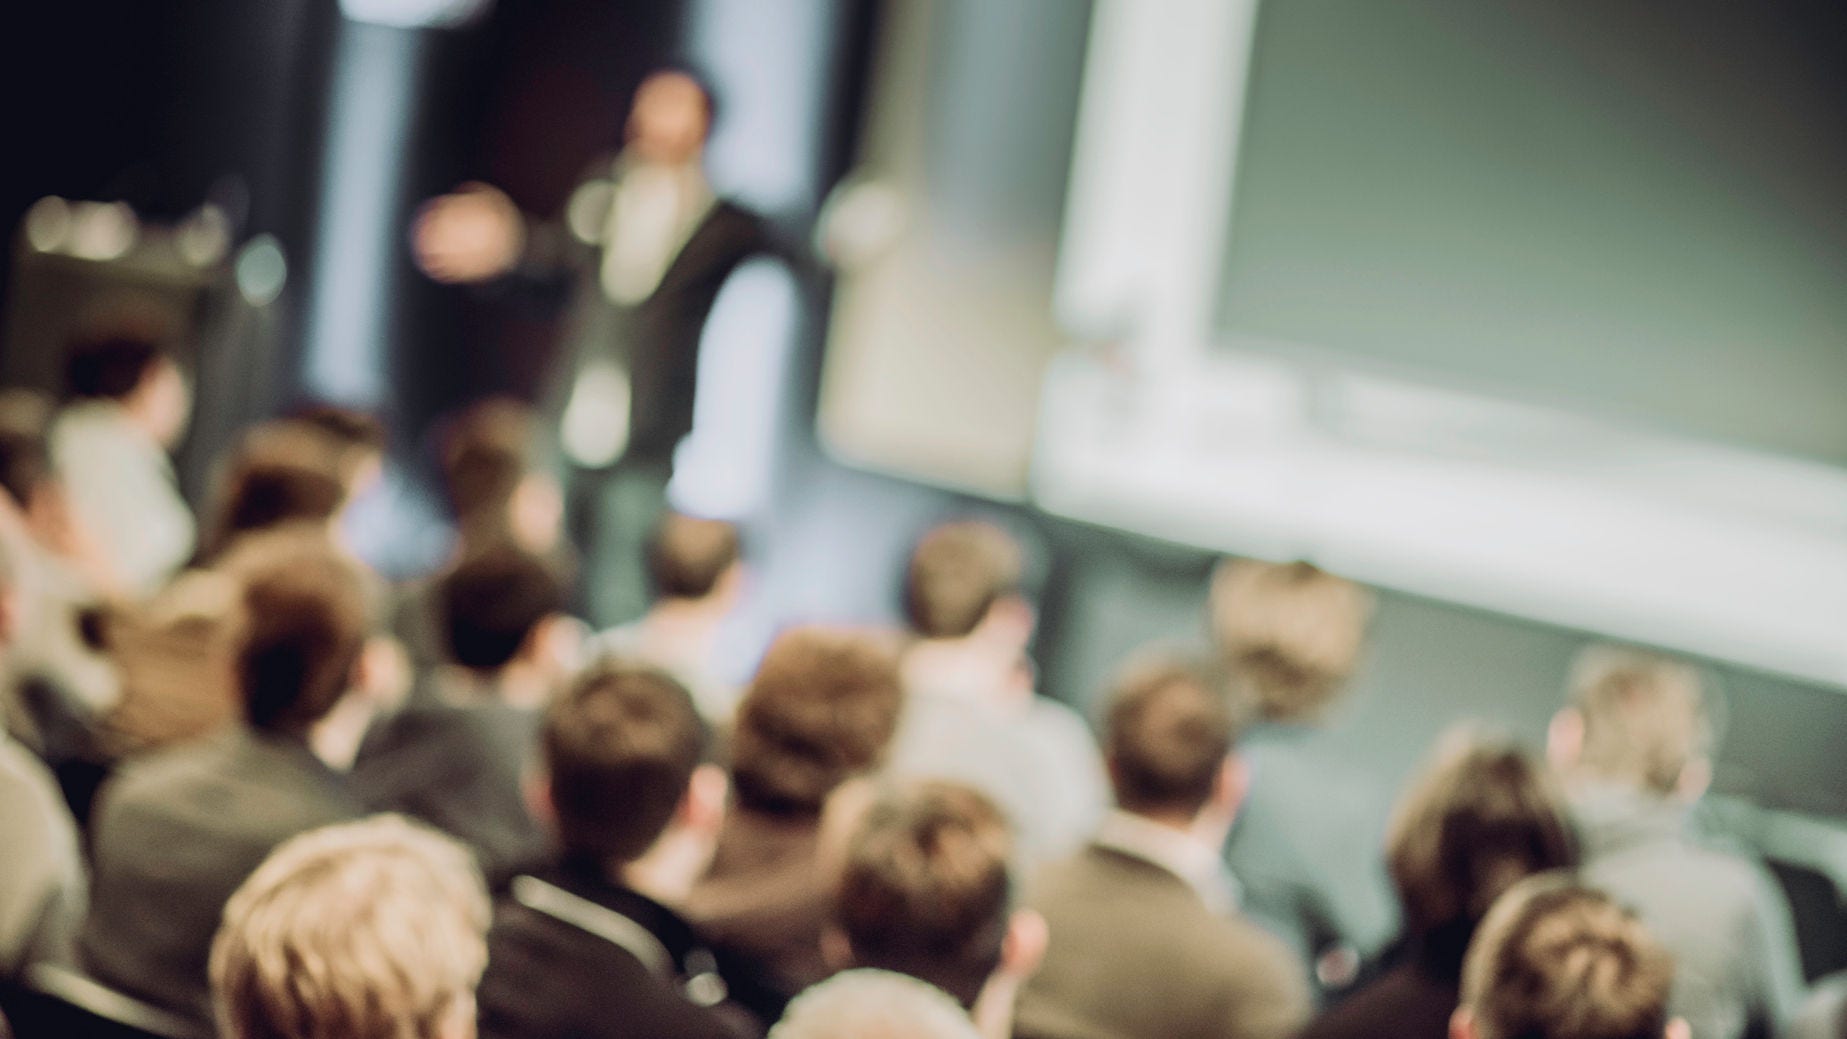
point(250, 788)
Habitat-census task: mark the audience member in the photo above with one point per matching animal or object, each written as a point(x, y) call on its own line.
point(57, 681)
point(128, 407)
point(589, 946)
point(697, 575)
point(821, 710)
point(365, 930)
point(1151, 889)
point(971, 714)
point(1553, 961)
point(1635, 743)
point(874, 1004)
point(358, 440)
point(178, 830)
point(1306, 844)
point(457, 756)
point(1482, 817)
point(281, 474)
point(42, 881)
point(925, 889)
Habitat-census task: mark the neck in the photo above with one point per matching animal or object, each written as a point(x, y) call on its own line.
point(970, 665)
point(684, 620)
point(667, 870)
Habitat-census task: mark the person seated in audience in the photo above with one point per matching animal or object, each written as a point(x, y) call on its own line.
point(1482, 816)
point(1145, 939)
point(1635, 745)
point(697, 574)
point(42, 880)
point(821, 710)
point(496, 496)
point(129, 405)
point(179, 829)
point(925, 888)
point(458, 754)
point(57, 679)
point(971, 713)
point(364, 930)
point(874, 1004)
point(1556, 961)
point(1305, 846)
point(589, 947)
point(281, 474)
point(358, 440)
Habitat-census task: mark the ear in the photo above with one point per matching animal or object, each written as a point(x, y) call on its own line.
point(1012, 618)
point(836, 949)
point(1565, 739)
point(555, 644)
point(1462, 1024)
point(1234, 781)
point(1694, 779)
point(702, 810)
point(1023, 948)
point(1679, 1029)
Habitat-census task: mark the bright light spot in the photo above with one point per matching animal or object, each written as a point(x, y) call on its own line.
point(262, 270)
point(204, 237)
point(414, 14)
point(103, 231)
point(48, 223)
point(595, 425)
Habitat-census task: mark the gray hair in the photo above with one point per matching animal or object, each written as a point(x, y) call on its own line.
point(874, 1004)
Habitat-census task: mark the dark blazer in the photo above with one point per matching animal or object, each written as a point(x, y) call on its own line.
point(765, 895)
point(552, 977)
point(1412, 1000)
point(174, 835)
point(1135, 954)
point(459, 766)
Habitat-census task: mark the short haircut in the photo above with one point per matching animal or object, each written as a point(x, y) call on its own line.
point(485, 453)
point(356, 436)
point(1644, 716)
point(957, 572)
point(925, 887)
point(366, 930)
point(874, 1004)
point(303, 623)
point(687, 556)
point(1481, 817)
point(822, 708)
point(282, 473)
point(1555, 961)
point(1166, 733)
point(1290, 633)
point(492, 601)
point(621, 744)
point(109, 366)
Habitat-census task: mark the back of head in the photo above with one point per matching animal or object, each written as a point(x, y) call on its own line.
point(957, 572)
point(1555, 961)
point(367, 930)
point(302, 624)
point(874, 1004)
point(925, 887)
point(282, 473)
point(109, 366)
point(621, 744)
point(358, 438)
point(1644, 717)
point(485, 453)
point(688, 556)
point(1483, 816)
point(1290, 633)
point(493, 601)
point(822, 708)
point(1166, 735)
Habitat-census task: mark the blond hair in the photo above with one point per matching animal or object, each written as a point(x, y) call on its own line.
point(1644, 716)
point(1290, 633)
point(367, 930)
point(874, 1004)
point(1556, 961)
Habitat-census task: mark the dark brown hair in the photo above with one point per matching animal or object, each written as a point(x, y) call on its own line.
point(687, 555)
point(282, 473)
point(822, 708)
point(302, 626)
point(485, 453)
point(491, 602)
point(1167, 731)
point(956, 574)
point(925, 889)
point(621, 745)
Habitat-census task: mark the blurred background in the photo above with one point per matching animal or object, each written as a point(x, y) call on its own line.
point(1533, 315)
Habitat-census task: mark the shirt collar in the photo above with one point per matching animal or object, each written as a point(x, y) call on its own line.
point(1177, 852)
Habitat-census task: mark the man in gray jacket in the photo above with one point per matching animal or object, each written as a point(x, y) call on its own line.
point(1635, 744)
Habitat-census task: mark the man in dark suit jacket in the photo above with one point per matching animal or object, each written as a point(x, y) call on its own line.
point(588, 947)
point(179, 830)
point(1144, 941)
point(457, 756)
point(643, 249)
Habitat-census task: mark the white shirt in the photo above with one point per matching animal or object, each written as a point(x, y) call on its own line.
point(122, 488)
